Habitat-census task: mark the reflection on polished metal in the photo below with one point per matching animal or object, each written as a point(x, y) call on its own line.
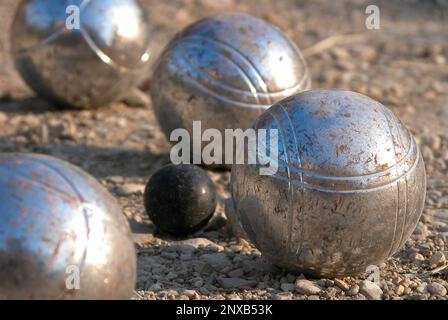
point(225, 70)
point(85, 67)
point(58, 225)
point(349, 190)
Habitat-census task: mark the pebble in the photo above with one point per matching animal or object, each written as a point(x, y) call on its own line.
point(307, 287)
point(198, 242)
point(417, 257)
point(130, 189)
point(436, 289)
point(353, 291)
point(332, 291)
point(190, 293)
point(229, 283)
point(182, 248)
point(156, 287)
point(287, 287)
point(283, 296)
point(399, 290)
point(258, 266)
point(422, 288)
point(3, 117)
point(370, 290)
point(216, 260)
point(236, 273)
point(441, 214)
point(341, 284)
point(437, 259)
point(199, 282)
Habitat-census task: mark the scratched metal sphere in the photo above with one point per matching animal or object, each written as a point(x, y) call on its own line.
point(87, 65)
point(224, 71)
point(349, 189)
point(58, 225)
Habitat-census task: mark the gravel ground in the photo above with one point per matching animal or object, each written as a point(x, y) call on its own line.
point(404, 65)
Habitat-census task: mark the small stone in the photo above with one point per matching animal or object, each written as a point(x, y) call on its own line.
point(422, 288)
point(421, 231)
point(216, 260)
point(307, 287)
point(417, 257)
point(290, 278)
point(322, 283)
point(399, 290)
point(190, 293)
point(3, 117)
point(370, 290)
point(283, 296)
point(436, 289)
point(156, 287)
point(116, 179)
point(198, 283)
point(332, 291)
point(130, 189)
point(198, 242)
point(236, 273)
point(341, 284)
point(171, 276)
point(287, 287)
point(437, 259)
point(229, 283)
point(441, 214)
point(169, 255)
point(353, 291)
point(313, 297)
point(258, 266)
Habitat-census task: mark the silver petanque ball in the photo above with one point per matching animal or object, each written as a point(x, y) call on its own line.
point(349, 189)
point(82, 54)
point(224, 71)
point(62, 235)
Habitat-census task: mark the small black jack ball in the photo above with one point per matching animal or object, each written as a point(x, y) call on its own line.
point(180, 199)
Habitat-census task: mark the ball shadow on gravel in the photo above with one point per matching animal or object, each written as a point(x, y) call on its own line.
point(26, 105)
point(99, 161)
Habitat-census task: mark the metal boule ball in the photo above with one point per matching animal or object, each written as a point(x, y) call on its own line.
point(348, 189)
point(82, 54)
point(62, 235)
point(224, 71)
point(180, 199)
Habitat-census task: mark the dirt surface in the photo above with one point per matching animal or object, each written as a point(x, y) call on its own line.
point(404, 65)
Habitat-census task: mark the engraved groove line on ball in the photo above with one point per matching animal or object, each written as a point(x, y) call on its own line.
point(260, 80)
point(400, 137)
point(252, 88)
point(308, 186)
point(397, 203)
point(301, 212)
point(280, 125)
point(403, 196)
point(377, 174)
point(264, 88)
